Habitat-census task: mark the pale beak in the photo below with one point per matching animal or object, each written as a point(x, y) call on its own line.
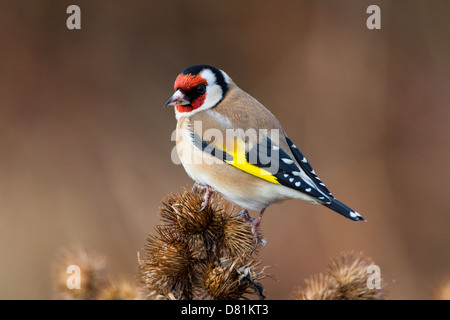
point(178, 99)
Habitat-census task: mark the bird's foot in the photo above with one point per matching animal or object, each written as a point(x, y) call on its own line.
point(254, 223)
point(208, 193)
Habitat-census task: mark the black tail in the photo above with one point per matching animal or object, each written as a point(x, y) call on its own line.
point(341, 208)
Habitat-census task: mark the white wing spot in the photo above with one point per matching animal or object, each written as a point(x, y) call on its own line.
point(286, 175)
point(304, 160)
point(354, 214)
point(308, 190)
point(297, 184)
point(287, 161)
point(291, 179)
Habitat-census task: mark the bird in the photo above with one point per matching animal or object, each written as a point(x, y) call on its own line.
point(229, 143)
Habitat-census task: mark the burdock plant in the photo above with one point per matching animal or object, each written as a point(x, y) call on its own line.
point(205, 254)
point(200, 254)
point(346, 278)
point(95, 283)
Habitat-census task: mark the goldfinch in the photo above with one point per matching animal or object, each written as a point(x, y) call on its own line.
point(230, 143)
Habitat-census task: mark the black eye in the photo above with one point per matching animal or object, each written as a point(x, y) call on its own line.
point(201, 88)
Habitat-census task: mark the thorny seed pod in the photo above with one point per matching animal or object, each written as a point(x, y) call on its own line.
point(226, 280)
point(124, 289)
point(169, 265)
point(180, 212)
point(91, 277)
point(346, 279)
point(318, 287)
point(237, 237)
point(216, 227)
point(350, 271)
point(442, 290)
point(182, 260)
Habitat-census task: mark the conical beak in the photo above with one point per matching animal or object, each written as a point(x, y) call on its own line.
point(178, 99)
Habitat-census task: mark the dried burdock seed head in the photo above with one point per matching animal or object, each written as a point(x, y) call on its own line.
point(347, 278)
point(318, 287)
point(180, 211)
point(351, 272)
point(227, 280)
point(124, 289)
point(78, 274)
point(217, 227)
point(199, 253)
point(169, 265)
point(442, 291)
point(237, 237)
point(349, 266)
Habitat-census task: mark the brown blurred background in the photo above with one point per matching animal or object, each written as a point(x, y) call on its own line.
point(85, 143)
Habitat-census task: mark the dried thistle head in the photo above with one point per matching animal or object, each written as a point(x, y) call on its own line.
point(318, 287)
point(346, 278)
point(181, 213)
point(442, 291)
point(237, 237)
point(169, 265)
point(231, 280)
point(182, 259)
point(217, 227)
point(123, 289)
point(92, 274)
point(350, 271)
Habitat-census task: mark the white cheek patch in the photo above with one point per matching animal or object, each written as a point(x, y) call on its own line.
point(213, 90)
point(209, 76)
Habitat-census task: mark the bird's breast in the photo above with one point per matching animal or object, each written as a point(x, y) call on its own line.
point(198, 165)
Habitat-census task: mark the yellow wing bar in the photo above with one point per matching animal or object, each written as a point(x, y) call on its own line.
point(240, 161)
